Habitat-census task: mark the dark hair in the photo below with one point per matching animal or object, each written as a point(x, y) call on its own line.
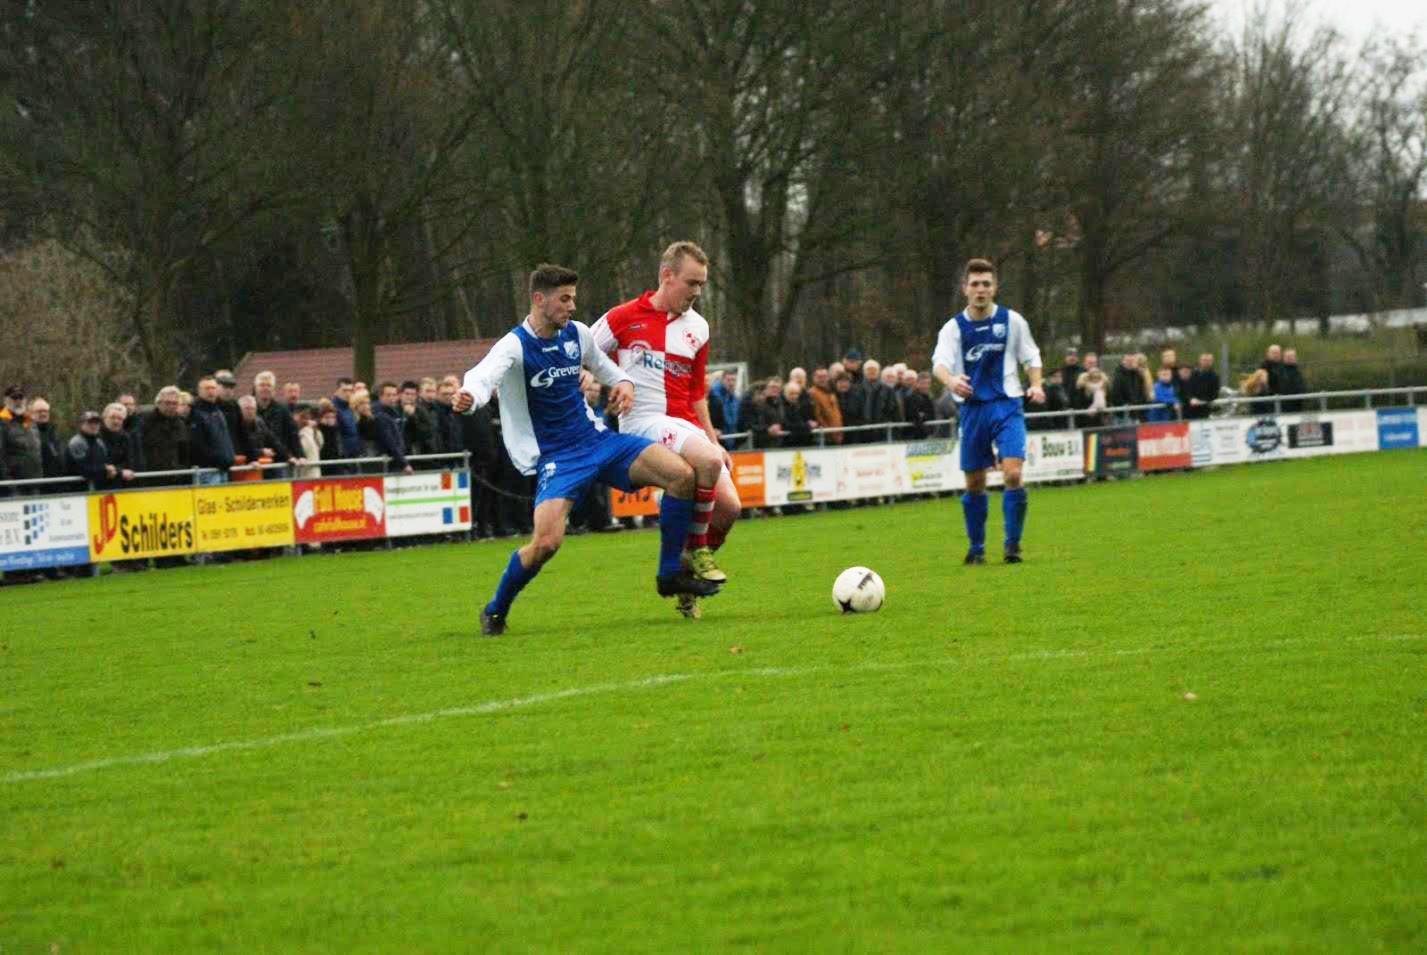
point(343, 381)
point(384, 386)
point(547, 278)
point(410, 384)
point(976, 266)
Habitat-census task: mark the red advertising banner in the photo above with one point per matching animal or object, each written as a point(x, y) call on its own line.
point(1164, 447)
point(338, 509)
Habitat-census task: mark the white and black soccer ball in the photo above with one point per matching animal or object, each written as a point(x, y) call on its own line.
point(858, 590)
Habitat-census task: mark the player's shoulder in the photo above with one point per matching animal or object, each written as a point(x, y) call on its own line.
point(696, 323)
point(1016, 317)
point(624, 312)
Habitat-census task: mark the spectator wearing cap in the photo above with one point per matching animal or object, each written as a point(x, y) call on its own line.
point(228, 398)
point(20, 454)
point(122, 446)
point(51, 448)
point(211, 441)
point(163, 434)
point(86, 455)
point(276, 416)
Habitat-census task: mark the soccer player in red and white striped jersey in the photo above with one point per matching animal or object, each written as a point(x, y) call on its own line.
point(663, 344)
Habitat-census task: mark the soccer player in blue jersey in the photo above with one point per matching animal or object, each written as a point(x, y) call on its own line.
point(549, 432)
point(978, 354)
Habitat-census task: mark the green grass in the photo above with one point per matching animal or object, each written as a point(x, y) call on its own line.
point(1003, 759)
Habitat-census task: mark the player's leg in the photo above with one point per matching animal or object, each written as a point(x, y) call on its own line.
point(1011, 442)
point(706, 458)
point(976, 457)
point(727, 507)
point(657, 466)
point(525, 563)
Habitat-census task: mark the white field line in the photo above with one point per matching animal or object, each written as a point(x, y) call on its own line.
point(496, 706)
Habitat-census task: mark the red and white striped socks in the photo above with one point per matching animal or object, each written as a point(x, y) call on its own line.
point(699, 525)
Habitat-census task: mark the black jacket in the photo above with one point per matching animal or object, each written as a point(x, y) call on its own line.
point(1203, 385)
point(1127, 387)
point(123, 447)
point(419, 429)
point(918, 409)
point(758, 415)
point(797, 433)
point(210, 441)
point(164, 442)
point(1291, 383)
point(51, 450)
point(86, 456)
point(283, 429)
point(250, 439)
point(389, 439)
point(21, 458)
point(478, 437)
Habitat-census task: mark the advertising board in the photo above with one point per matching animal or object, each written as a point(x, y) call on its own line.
point(44, 532)
point(1163, 447)
point(1054, 456)
point(432, 502)
point(1111, 451)
point(243, 515)
point(1396, 428)
point(868, 470)
point(132, 525)
point(338, 509)
point(794, 477)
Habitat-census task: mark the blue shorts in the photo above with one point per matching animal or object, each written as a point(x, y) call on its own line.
point(1001, 423)
point(569, 474)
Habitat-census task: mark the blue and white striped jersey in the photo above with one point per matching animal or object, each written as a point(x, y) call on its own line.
point(541, 408)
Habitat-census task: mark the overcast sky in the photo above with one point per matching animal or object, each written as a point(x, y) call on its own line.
point(1357, 19)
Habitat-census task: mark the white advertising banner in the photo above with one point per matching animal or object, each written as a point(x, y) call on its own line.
point(433, 502)
point(44, 532)
point(873, 470)
point(1054, 456)
point(932, 465)
point(1422, 427)
point(792, 477)
point(1236, 440)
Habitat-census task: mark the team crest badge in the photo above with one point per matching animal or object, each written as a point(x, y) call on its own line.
point(999, 331)
point(691, 340)
point(572, 349)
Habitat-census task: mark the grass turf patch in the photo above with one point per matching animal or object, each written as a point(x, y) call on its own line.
point(1193, 717)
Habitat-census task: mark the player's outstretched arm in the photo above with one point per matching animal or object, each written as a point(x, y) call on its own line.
point(480, 382)
point(593, 358)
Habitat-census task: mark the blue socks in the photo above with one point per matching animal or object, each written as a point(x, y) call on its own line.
point(973, 508)
point(675, 515)
point(512, 582)
point(1013, 509)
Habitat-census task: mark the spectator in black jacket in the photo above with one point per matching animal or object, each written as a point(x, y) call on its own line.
point(210, 441)
point(1291, 380)
point(255, 440)
point(418, 424)
point(1203, 388)
point(163, 435)
point(131, 411)
point(850, 404)
point(20, 455)
point(276, 416)
point(121, 445)
point(86, 456)
point(1127, 387)
point(390, 440)
point(227, 399)
point(1273, 367)
point(762, 414)
point(796, 419)
point(884, 405)
point(51, 448)
point(919, 408)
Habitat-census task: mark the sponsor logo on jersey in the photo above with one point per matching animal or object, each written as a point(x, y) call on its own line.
point(649, 359)
point(677, 368)
point(550, 347)
point(976, 351)
point(546, 377)
point(572, 349)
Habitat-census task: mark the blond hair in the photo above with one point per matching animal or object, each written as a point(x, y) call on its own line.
point(673, 256)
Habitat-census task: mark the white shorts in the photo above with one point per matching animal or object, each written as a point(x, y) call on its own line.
point(671, 432)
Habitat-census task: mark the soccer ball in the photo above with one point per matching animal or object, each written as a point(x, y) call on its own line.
point(858, 590)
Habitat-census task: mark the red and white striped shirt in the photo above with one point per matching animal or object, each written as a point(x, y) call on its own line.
point(667, 355)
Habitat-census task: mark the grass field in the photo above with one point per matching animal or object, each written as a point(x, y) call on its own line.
point(1195, 718)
